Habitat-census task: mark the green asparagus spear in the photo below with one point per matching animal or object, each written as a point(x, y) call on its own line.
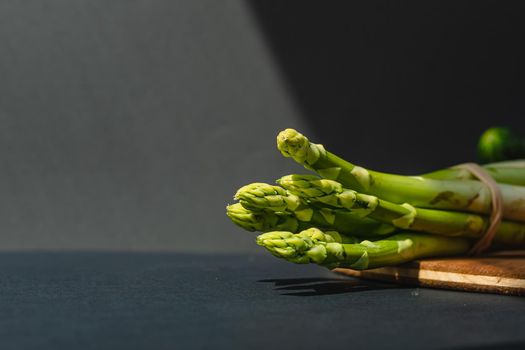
point(326, 250)
point(264, 197)
point(404, 216)
point(512, 173)
point(286, 244)
point(262, 221)
point(467, 195)
point(258, 196)
point(326, 218)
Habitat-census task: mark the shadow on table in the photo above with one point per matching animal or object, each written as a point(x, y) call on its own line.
point(324, 286)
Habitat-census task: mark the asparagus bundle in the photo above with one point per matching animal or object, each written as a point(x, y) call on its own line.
point(349, 216)
point(466, 195)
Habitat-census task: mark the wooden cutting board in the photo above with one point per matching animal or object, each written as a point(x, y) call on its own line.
point(501, 272)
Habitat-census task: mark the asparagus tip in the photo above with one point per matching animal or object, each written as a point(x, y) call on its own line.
point(293, 144)
point(261, 196)
point(311, 245)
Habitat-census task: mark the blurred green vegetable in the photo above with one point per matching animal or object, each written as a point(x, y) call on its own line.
point(500, 143)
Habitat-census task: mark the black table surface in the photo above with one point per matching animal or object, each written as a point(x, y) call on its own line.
point(176, 301)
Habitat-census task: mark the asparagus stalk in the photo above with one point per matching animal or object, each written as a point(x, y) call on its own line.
point(467, 195)
point(332, 194)
point(264, 197)
point(326, 218)
point(326, 250)
point(512, 173)
point(263, 221)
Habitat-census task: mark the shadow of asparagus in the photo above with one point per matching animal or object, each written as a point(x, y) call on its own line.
point(325, 286)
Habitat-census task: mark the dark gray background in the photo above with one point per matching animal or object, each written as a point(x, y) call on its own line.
point(129, 124)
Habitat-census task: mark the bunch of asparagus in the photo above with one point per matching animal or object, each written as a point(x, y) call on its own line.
point(349, 216)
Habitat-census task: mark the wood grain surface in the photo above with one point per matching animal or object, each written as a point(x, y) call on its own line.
point(501, 272)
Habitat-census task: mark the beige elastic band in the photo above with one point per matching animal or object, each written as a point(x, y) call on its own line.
point(496, 203)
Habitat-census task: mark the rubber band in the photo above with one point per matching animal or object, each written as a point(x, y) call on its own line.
point(496, 203)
